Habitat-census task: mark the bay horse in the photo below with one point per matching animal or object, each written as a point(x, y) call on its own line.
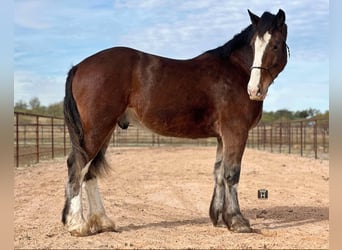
point(219, 93)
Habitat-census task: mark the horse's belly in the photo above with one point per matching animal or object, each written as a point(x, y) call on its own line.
point(189, 130)
point(193, 123)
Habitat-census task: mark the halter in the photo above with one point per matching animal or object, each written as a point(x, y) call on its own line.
point(268, 68)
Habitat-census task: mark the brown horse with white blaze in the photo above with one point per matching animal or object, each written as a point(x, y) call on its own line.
point(218, 94)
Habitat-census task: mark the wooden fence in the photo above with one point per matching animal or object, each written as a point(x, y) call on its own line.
point(38, 137)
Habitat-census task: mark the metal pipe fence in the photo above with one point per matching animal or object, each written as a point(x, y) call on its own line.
point(38, 138)
point(303, 137)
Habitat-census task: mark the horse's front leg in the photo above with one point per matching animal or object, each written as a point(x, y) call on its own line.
point(216, 205)
point(233, 147)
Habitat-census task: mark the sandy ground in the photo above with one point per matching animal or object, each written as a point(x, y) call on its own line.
point(159, 198)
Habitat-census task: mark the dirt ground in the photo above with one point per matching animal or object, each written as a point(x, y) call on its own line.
point(159, 198)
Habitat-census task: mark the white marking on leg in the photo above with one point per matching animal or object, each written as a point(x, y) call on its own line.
point(93, 196)
point(75, 220)
point(260, 45)
point(75, 217)
point(75, 204)
point(96, 215)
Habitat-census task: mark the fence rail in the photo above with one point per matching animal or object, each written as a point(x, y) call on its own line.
point(38, 137)
point(304, 137)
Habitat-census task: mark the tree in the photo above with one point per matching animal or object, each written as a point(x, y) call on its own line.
point(284, 114)
point(20, 106)
point(34, 103)
point(301, 114)
point(36, 107)
point(55, 109)
point(313, 112)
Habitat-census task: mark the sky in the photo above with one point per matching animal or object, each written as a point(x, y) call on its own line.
point(50, 36)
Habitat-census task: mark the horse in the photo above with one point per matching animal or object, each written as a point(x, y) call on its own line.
point(219, 94)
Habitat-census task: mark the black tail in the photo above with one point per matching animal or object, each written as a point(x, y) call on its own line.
point(72, 117)
point(99, 164)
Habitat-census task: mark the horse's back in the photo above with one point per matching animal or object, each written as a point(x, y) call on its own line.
point(110, 64)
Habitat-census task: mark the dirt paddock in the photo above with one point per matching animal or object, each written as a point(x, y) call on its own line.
point(159, 198)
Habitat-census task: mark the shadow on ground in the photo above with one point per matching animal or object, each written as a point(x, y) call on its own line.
point(272, 218)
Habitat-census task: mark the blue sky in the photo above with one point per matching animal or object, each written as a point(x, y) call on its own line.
point(50, 36)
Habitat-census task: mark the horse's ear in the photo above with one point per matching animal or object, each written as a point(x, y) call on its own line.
point(280, 18)
point(254, 18)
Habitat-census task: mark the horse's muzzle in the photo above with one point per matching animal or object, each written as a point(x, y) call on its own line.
point(256, 94)
point(257, 98)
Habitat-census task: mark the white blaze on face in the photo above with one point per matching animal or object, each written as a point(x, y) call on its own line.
point(260, 45)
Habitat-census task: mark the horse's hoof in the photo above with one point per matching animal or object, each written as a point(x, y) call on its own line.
point(100, 224)
point(220, 222)
point(80, 231)
point(241, 229)
point(240, 225)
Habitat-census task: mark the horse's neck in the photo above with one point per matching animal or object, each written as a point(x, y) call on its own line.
point(242, 58)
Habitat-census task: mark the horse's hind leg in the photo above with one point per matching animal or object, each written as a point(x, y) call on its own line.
point(97, 220)
point(72, 215)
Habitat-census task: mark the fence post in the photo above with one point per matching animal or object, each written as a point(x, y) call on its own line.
point(280, 137)
point(137, 135)
point(289, 128)
point(52, 140)
point(271, 139)
point(17, 138)
point(301, 138)
point(264, 137)
point(37, 138)
point(24, 134)
point(324, 147)
point(315, 138)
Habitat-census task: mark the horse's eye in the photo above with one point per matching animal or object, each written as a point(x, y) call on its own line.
point(275, 47)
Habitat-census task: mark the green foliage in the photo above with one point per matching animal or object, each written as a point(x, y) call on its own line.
point(35, 107)
point(286, 115)
point(20, 106)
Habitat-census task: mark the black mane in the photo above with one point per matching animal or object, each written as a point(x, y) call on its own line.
point(238, 41)
point(266, 23)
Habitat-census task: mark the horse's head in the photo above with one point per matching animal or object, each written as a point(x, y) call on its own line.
point(269, 51)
